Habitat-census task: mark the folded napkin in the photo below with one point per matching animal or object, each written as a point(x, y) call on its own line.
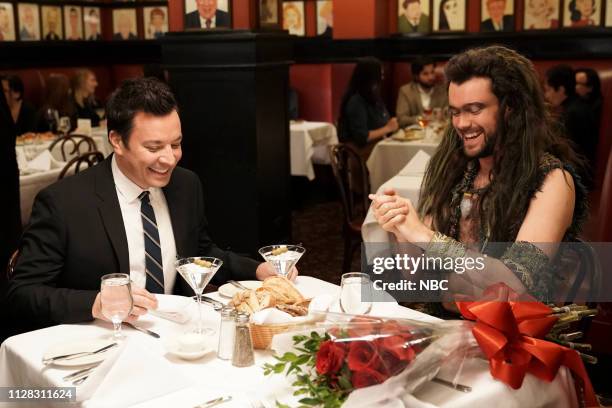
point(129, 376)
point(42, 162)
point(173, 308)
point(417, 165)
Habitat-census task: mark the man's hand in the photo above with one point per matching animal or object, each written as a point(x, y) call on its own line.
point(265, 270)
point(143, 302)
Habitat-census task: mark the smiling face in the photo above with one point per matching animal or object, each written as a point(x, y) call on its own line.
point(585, 7)
point(207, 8)
point(427, 76)
point(153, 149)
point(496, 9)
point(474, 110)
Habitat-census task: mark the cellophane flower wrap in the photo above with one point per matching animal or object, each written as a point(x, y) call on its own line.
point(342, 358)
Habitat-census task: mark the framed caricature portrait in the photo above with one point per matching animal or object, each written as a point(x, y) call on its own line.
point(541, 14)
point(7, 25)
point(325, 18)
point(208, 14)
point(581, 13)
point(413, 16)
point(92, 23)
point(608, 22)
point(73, 17)
point(449, 15)
point(269, 12)
point(293, 17)
point(496, 15)
point(155, 22)
point(29, 23)
point(124, 24)
point(52, 28)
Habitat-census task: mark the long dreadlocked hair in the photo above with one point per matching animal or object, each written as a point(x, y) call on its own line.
point(525, 131)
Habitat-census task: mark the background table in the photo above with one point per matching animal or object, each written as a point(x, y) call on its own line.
point(309, 144)
point(20, 365)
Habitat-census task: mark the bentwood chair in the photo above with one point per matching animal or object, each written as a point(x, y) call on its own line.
point(73, 145)
point(10, 268)
point(84, 160)
point(353, 182)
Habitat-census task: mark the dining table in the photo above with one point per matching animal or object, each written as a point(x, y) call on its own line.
point(144, 372)
point(309, 145)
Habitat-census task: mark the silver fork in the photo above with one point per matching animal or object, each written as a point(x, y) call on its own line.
point(238, 285)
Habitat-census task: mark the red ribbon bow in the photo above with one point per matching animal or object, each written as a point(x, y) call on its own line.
point(508, 332)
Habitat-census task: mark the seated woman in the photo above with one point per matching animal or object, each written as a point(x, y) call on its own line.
point(23, 113)
point(363, 115)
point(84, 84)
point(57, 104)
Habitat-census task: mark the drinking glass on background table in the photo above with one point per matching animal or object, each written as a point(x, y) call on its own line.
point(282, 257)
point(52, 118)
point(116, 300)
point(198, 271)
point(356, 293)
point(64, 125)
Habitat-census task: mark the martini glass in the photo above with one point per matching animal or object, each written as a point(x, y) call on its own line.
point(282, 257)
point(198, 271)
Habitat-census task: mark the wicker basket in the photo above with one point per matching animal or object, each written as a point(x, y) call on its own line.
point(262, 333)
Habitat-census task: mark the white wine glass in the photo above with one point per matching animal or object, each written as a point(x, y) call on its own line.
point(198, 271)
point(116, 300)
point(356, 293)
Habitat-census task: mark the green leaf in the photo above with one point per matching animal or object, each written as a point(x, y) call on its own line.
point(310, 401)
point(345, 383)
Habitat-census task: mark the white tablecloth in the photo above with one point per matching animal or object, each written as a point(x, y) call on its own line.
point(309, 144)
point(20, 365)
point(389, 156)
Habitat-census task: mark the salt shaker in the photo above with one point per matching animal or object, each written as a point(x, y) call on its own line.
point(243, 345)
point(227, 331)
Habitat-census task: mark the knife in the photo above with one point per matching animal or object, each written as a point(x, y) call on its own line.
point(214, 402)
point(238, 285)
point(215, 303)
point(77, 355)
point(142, 329)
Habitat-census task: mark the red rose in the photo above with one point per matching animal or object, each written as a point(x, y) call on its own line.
point(392, 327)
point(330, 357)
point(363, 326)
point(367, 377)
point(362, 355)
point(398, 345)
point(390, 364)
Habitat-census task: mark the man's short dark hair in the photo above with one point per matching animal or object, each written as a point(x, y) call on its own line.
point(147, 95)
point(562, 75)
point(15, 84)
point(419, 64)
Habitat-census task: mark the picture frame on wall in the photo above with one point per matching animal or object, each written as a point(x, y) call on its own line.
point(155, 22)
point(52, 29)
point(125, 26)
point(449, 15)
point(294, 20)
point(7, 22)
point(413, 16)
point(608, 21)
point(325, 18)
point(497, 15)
point(92, 23)
point(29, 21)
point(541, 14)
point(206, 14)
point(581, 13)
point(269, 12)
point(73, 18)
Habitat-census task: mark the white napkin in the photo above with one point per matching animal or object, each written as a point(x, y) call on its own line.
point(42, 162)
point(130, 376)
point(83, 127)
point(173, 308)
point(417, 165)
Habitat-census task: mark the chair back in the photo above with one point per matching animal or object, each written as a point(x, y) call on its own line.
point(73, 145)
point(10, 268)
point(353, 181)
point(582, 275)
point(88, 159)
point(605, 204)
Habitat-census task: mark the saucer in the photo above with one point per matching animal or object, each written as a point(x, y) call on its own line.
point(173, 347)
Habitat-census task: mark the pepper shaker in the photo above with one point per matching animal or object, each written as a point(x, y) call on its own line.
point(227, 332)
point(243, 345)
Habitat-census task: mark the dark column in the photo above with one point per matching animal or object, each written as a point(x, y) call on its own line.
point(232, 91)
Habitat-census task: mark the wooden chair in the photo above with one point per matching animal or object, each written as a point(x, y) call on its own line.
point(583, 272)
point(79, 143)
point(10, 268)
point(88, 159)
point(353, 183)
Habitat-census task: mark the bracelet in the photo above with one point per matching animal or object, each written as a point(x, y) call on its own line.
point(444, 247)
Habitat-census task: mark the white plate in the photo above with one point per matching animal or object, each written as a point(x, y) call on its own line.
point(228, 290)
point(78, 347)
point(172, 346)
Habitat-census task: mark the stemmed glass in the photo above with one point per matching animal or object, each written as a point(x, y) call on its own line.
point(198, 271)
point(64, 125)
point(282, 257)
point(356, 293)
point(116, 300)
point(52, 118)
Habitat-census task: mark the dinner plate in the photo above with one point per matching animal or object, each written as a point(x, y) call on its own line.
point(228, 290)
point(409, 135)
point(173, 347)
point(78, 346)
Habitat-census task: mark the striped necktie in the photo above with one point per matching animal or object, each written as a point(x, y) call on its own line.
point(153, 256)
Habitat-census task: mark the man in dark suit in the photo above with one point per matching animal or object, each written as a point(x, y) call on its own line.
point(498, 21)
point(207, 16)
point(134, 213)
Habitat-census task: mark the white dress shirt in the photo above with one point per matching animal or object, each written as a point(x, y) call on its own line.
point(213, 21)
point(425, 96)
point(127, 193)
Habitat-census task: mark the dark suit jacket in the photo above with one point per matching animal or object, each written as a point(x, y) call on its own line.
point(76, 235)
point(192, 20)
point(508, 24)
